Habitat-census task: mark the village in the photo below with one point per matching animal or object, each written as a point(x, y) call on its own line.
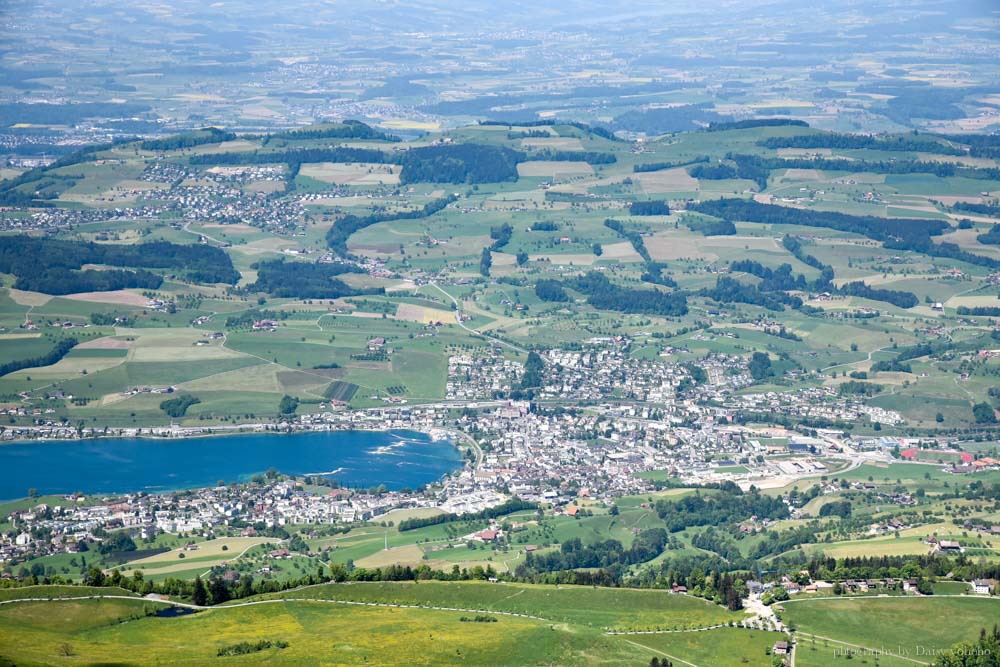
point(516, 448)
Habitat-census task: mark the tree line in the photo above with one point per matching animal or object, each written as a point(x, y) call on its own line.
point(658, 166)
point(909, 143)
point(512, 505)
point(60, 350)
point(336, 237)
point(202, 137)
point(895, 233)
point(589, 129)
point(348, 129)
point(755, 122)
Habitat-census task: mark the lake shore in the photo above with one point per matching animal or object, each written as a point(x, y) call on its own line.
point(395, 457)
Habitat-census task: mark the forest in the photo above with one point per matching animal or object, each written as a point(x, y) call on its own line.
point(602, 293)
point(460, 163)
point(895, 297)
point(719, 510)
point(574, 554)
point(651, 207)
point(48, 265)
point(302, 280)
point(992, 237)
point(58, 280)
point(730, 290)
point(550, 290)
point(719, 171)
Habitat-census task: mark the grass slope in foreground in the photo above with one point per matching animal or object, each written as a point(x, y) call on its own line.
point(94, 631)
point(600, 608)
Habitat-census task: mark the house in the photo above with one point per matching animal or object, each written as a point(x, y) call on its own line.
point(755, 587)
point(376, 344)
point(910, 585)
point(487, 535)
point(780, 648)
point(679, 589)
point(981, 587)
point(949, 546)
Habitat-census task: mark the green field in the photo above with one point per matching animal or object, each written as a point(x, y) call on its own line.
point(601, 608)
point(901, 623)
point(316, 633)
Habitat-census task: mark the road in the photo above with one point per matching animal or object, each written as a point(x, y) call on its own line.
point(465, 437)
point(851, 363)
point(187, 228)
point(458, 320)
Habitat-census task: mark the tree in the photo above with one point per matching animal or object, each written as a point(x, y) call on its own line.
point(177, 407)
point(199, 595)
point(217, 590)
point(485, 262)
point(522, 258)
point(760, 366)
point(983, 413)
point(94, 577)
point(288, 405)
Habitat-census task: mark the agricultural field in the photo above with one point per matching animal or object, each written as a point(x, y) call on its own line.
point(908, 625)
point(540, 620)
point(315, 633)
point(703, 356)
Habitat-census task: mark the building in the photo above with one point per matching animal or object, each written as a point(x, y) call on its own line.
point(949, 546)
point(981, 587)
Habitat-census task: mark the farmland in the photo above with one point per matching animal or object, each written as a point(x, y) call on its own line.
point(598, 335)
point(393, 618)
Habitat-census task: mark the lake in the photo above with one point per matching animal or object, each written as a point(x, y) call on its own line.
point(119, 465)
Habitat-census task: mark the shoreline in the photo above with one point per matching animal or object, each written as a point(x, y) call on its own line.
point(434, 435)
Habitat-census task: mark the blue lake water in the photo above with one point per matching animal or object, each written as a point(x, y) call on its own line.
point(119, 465)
